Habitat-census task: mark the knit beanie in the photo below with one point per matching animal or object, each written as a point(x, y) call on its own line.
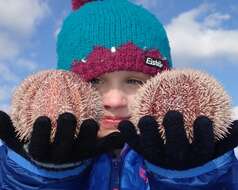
point(104, 36)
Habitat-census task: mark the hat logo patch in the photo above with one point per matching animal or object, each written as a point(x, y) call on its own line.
point(154, 62)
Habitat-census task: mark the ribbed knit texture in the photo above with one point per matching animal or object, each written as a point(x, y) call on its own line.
point(126, 58)
point(109, 23)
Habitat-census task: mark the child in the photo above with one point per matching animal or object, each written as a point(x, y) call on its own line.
point(116, 46)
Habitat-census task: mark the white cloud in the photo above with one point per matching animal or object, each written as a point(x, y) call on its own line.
point(21, 16)
point(8, 47)
point(235, 113)
point(6, 74)
point(205, 39)
point(215, 19)
point(6, 92)
point(26, 64)
point(9, 68)
point(18, 20)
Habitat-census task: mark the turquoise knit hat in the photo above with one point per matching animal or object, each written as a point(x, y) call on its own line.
point(110, 24)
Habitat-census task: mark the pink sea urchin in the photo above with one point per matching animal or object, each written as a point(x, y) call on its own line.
point(193, 93)
point(51, 93)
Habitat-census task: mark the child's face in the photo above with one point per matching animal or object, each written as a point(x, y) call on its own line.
point(118, 90)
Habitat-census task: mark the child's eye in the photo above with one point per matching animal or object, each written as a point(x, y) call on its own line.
point(134, 81)
point(95, 81)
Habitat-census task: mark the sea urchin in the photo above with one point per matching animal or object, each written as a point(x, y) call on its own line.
point(193, 93)
point(51, 93)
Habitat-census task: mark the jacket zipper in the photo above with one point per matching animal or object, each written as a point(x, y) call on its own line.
point(115, 173)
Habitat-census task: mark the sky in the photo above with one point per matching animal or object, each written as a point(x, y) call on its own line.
point(203, 35)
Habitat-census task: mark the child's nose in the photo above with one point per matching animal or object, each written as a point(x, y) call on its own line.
point(114, 98)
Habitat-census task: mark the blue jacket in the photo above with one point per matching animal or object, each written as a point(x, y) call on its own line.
point(130, 172)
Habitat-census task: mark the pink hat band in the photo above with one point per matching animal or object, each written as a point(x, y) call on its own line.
point(127, 57)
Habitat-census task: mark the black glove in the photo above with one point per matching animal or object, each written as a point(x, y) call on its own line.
point(66, 149)
point(177, 153)
point(228, 143)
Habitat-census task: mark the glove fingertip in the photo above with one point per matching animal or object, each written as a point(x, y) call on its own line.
point(7, 131)
point(234, 127)
point(89, 128)
point(66, 126)
point(68, 118)
point(4, 115)
point(127, 128)
point(148, 123)
point(202, 121)
point(173, 118)
point(90, 123)
point(203, 129)
point(229, 142)
point(40, 139)
point(42, 124)
point(6, 126)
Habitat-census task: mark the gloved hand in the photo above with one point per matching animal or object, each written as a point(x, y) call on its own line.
point(177, 153)
point(65, 149)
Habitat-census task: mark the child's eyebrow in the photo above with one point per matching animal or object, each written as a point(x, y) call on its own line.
point(138, 76)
